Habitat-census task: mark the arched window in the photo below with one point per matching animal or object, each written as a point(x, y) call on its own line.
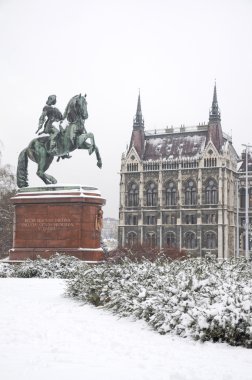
point(191, 219)
point(190, 193)
point(211, 240)
point(132, 220)
point(151, 219)
point(170, 195)
point(151, 239)
point(151, 195)
point(211, 192)
point(171, 240)
point(250, 197)
point(243, 242)
point(242, 197)
point(190, 240)
point(132, 239)
point(133, 195)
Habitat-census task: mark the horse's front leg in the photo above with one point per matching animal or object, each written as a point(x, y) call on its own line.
point(91, 145)
point(98, 157)
point(97, 153)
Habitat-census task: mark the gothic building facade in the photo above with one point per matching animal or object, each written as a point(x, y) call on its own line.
point(178, 187)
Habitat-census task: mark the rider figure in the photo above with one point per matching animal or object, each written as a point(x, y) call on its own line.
point(48, 117)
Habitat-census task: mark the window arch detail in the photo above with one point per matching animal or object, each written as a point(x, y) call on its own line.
point(190, 240)
point(211, 192)
point(171, 240)
point(133, 194)
point(132, 239)
point(170, 194)
point(151, 194)
point(210, 240)
point(151, 239)
point(190, 193)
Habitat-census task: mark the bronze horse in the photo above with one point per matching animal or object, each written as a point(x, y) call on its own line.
point(74, 136)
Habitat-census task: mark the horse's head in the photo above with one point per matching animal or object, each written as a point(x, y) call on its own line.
point(81, 106)
point(76, 108)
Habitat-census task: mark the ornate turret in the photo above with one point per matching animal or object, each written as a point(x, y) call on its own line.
point(137, 137)
point(214, 125)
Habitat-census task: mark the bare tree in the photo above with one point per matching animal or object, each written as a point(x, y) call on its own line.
point(7, 190)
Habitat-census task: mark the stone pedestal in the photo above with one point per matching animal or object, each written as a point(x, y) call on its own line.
point(57, 218)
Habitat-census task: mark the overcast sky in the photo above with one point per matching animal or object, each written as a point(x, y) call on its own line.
point(171, 49)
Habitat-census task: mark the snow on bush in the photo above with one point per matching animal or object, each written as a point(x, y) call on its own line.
point(205, 299)
point(59, 266)
point(110, 244)
point(5, 270)
point(141, 253)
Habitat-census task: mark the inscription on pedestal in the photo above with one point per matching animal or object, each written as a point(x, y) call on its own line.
point(46, 224)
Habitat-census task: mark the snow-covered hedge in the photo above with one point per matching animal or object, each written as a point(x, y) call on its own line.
point(142, 253)
point(110, 244)
point(59, 266)
point(202, 298)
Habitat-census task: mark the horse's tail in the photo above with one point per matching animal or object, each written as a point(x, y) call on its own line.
point(22, 173)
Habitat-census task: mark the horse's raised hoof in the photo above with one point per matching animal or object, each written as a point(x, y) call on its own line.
point(91, 150)
point(63, 156)
point(66, 156)
point(99, 164)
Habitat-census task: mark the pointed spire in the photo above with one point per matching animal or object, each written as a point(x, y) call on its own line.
point(139, 110)
point(214, 126)
point(214, 112)
point(138, 120)
point(137, 136)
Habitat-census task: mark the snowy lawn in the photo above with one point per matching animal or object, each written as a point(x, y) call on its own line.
point(45, 335)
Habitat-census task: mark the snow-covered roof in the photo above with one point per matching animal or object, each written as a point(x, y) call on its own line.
point(189, 144)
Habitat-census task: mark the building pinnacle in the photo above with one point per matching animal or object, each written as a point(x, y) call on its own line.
point(214, 112)
point(138, 121)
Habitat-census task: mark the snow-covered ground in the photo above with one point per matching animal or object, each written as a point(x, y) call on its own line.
point(44, 335)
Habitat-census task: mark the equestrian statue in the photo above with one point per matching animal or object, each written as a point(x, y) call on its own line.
point(60, 141)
